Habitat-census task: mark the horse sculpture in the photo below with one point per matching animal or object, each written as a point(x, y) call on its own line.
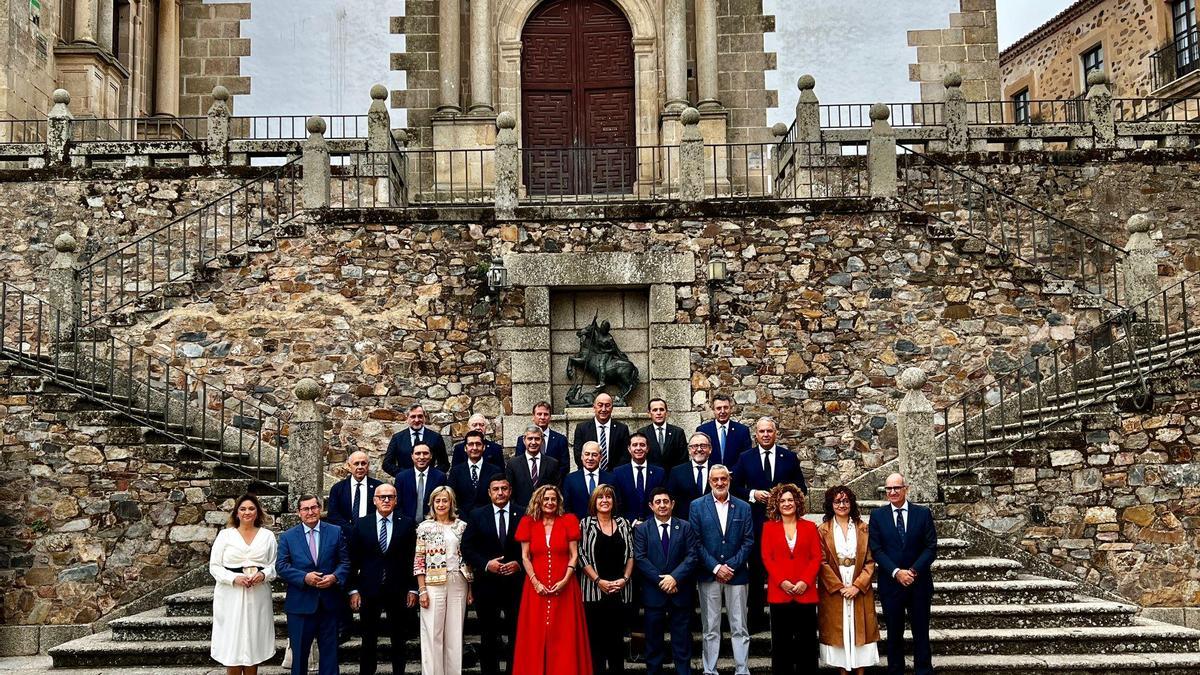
point(600, 356)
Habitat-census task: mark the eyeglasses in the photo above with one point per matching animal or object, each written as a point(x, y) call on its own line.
point(841, 501)
point(895, 489)
point(694, 446)
point(385, 498)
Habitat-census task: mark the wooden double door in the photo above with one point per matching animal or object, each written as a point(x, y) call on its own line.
point(577, 99)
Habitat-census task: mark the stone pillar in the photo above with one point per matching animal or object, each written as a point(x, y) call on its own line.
point(218, 127)
point(508, 165)
point(58, 127)
point(808, 111)
point(449, 43)
point(166, 65)
point(64, 290)
point(85, 21)
point(379, 122)
point(315, 164)
point(691, 157)
point(481, 57)
point(1100, 110)
point(881, 153)
point(305, 468)
point(104, 25)
point(676, 54)
point(957, 137)
point(915, 436)
point(706, 54)
point(1140, 269)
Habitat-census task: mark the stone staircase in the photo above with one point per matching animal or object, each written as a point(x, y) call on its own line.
point(989, 615)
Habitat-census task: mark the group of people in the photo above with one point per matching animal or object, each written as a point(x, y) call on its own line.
point(557, 563)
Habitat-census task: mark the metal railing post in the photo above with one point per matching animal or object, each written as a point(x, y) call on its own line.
point(218, 128)
point(881, 153)
point(315, 165)
point(508, 166)
point(957, 138)
point(1100, 110)
point(691, 158)
point(305, 466)
point(58, 128)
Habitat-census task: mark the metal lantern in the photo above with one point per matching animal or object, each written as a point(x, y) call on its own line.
point(497, 275)
point(718, 269)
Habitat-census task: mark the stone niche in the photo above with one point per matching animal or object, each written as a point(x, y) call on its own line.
point(636, 293)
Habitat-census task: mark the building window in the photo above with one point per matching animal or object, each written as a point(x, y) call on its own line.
point(1187, 39)
point(1093, 59)
point(1020, 104)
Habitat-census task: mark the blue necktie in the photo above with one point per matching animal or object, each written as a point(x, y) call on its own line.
point(722, 435)
point(357, 501)
point(699, 479)
point(591, 483)
point(900, 523)
point(666, 539)
point(641, 483)
point(383, 535)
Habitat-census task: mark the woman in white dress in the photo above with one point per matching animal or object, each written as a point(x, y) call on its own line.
point(848, 625)
point(243, 563)
point(443, 585)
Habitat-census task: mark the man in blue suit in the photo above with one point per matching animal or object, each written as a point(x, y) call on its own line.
point(903, 541)
point(759, 470)
point(637, 479)
point(415, 484)
point(554, 444)
point(729, 437)
point(353, 497)
point(469, 477)
point(665, 555)
point(493, 452)
point(726, 531)
point(400, 447)
point(579, 485)
point(314, 561)
point(689, 481)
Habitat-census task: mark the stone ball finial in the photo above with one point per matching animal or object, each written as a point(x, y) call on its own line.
point(1097, 77)
point(65, 243)
point(806, 82)
point(912, 379)
point(379, 92)
point(308, 389)
point(220, 93)
point(62, 96)
point(880, 112)
point(506, 120)
point(779, 130)
point(315, 125)
point(400, 135)
point(690, 116)
point(1138, 222)
point(952, 80)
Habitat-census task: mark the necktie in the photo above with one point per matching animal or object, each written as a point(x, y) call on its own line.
point(603, 446)
point(900, 523)
point(641, 484)
point(502, 528)
point(591, 483)
point(661, 441)
point(721, 435)
point(420, 512)
point(533, 470)
point(767, 465)
point(700, 478)
point(312, 545)
point(357, 501)
point(666, 539)
point(475, 474)
point(416, 438)
point(383, 536)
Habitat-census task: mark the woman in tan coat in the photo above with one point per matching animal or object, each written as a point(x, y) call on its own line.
point(846, 617)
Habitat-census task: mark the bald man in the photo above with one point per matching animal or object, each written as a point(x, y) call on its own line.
point(493, 452)
point(353, 497)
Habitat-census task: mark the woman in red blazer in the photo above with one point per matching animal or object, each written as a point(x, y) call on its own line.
point(791, 550)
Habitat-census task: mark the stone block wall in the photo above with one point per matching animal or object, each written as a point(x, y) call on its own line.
point(968, 46)
point(27, 58)
point(742, 63)
point(211, 53)
point(419, 25)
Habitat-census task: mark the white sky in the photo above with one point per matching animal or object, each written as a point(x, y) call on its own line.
point(322, 56)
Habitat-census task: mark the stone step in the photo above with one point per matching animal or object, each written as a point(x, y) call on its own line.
point(1070, 663)
point(1142, 636)
point(1024, 589)
point(975, 569)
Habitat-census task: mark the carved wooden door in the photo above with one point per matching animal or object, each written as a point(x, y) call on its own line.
point(577, 99)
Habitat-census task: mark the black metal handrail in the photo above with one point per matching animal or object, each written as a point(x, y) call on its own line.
point(1072, 110)
point(1048, 390)
point(591, 174)
point(23, 131)
point(1152, 109)
point(858, 115)
point(292, 127)
point(226, 427)
point(357, 176)
point(1013, 227)
point(105, 129)
point(1177, 58)
point(227, 225)
point(789, 170)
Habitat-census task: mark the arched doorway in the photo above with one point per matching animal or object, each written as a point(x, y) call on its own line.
point(577, 99)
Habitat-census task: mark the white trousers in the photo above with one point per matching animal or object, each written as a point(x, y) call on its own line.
point(442, 627)
point(712, 593)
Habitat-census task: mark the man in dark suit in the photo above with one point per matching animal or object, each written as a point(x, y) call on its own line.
point(490, 548)
point(579, 485)
point(688, 482)
point(399, 450)
point(665, 555)
point(381, 578)
point(637, 479)
point(612, 436)
point(903, 541)
point(668, 447)
point(415, 484)
point(493, 452)
point(469, 478)
point(554, 444)
point(314, 561)
point(729, 437)
point(353, 497)
point(530, 470)
point(759, 470)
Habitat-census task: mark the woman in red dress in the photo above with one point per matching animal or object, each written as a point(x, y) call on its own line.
point(551, 629)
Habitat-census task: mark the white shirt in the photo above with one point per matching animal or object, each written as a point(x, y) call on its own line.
point(607, 426)
point(774, 466)
point(722, 511)
point(703, 474)
point(644, 466)
point(591, 479)
point(412, 435)
point(362, 501)
point(529, 460)
point(897, 509)
point(479, 470)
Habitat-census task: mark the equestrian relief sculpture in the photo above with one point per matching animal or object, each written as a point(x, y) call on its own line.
point(600, 356)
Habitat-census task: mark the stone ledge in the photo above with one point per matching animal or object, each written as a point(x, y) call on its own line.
point(523, 339)
point(599, 269)
point(678, 335)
